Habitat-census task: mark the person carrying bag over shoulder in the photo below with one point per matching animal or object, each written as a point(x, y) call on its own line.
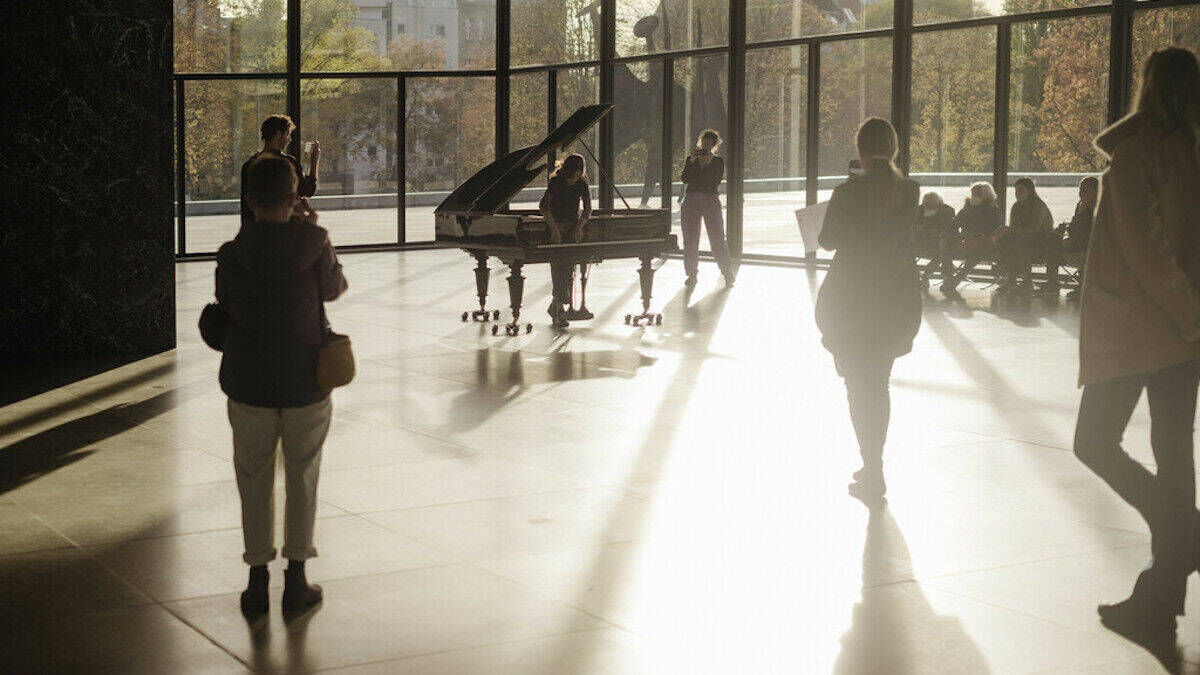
point(279, 361)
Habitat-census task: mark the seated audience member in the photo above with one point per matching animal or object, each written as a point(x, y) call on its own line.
point(935, 236)
point(1079, 230)
point(975, 225)
point(272, 279)
point(276, 131)
point(1028, 236)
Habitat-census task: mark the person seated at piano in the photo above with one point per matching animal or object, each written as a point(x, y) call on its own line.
point(567, 207)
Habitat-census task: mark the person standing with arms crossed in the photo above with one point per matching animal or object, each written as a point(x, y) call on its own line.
point(702, 174)
point(1139, 330)
point(869, 306)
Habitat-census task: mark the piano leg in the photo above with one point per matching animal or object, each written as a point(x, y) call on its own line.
point(482, 275)
point(646, 275)
point(581, 314)
point(516, 291)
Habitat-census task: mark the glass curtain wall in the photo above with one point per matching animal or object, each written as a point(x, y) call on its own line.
point(402, 96)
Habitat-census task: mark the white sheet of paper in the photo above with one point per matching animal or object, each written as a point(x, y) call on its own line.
point(810, 219)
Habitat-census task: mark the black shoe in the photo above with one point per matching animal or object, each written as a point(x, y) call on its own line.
point(298, 594)
point(949, 288)
point(690, 281)
point(255, 598)
point(558, 317)
point(1133, 617)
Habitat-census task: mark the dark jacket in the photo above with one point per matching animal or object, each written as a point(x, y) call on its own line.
point(1079, 230)
point(702, 179)
point(979, 219)
point(1140, 308)
point(306, 187)
point(267, 279)
point(869, 306)
point(1031, 215)
point(940, 223)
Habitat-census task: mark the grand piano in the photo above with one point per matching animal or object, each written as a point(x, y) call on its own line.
point(476, 218)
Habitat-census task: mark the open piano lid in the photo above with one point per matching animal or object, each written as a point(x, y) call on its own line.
point(493, 186)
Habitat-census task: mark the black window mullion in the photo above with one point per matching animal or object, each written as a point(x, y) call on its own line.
point(401, 159)
point(293, 72)
point(735, 113)
point(608, 29)
point(180, 169)
point(812, 129)
point(1120, 59)
point(1000, 133)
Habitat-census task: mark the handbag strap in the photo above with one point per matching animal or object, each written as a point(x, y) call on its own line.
point(324, 320)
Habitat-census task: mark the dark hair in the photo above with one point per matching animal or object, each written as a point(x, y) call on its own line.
point(275, 124)
point(710, 134)
point(270, 180)
point(1091, 182)
point(569, 165)
point(1028, 184)
point(1170, 95)
point(877, 144)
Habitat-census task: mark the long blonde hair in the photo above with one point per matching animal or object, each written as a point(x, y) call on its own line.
point(1170, 95)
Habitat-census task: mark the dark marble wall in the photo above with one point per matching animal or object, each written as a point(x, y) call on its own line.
point(86, 128)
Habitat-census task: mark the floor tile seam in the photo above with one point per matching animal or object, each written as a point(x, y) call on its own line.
point(118, 542)
point(320, 579)
point(990, 503)
point(473, 501)
point(205, 635)
point(1133, 650)
point(535, 590)
point(441, 652)
point(935, 579)
point(1002, 437)
point(71, 543)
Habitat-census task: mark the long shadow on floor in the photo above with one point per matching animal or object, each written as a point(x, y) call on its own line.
point(47, 451)
point(893, 622)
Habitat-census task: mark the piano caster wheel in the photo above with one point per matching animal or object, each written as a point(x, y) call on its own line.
point(464, 316)
point(496, 315)
point(528, 328)
point(495, 329)
point(658, 319)
point(628, 319)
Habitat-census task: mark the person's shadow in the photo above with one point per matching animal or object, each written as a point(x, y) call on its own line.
point(892, 624)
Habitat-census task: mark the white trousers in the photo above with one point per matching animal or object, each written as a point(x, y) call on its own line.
point(257, 432)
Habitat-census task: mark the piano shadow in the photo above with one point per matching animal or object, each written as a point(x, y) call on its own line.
point(502, 377)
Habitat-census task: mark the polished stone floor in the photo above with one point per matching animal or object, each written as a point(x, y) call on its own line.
point(609, 500)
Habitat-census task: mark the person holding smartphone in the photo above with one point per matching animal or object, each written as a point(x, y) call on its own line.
point(276, 133)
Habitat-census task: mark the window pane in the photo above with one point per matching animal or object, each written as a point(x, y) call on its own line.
point(527, 126)
point(527, 109)
point(781, 19)
point(1157, 28)
point(578, 87)
point(448, 137)
point(776, 146)
point(934, 11)
point(554, 31)
point(217, 36)
point(1058, 98)
point(856, 83)
point(222, 121)
point(355, 121)
point(953, 110)
point(699, 96)
point(650, 26)
point(339, 35)
point(637, 133)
